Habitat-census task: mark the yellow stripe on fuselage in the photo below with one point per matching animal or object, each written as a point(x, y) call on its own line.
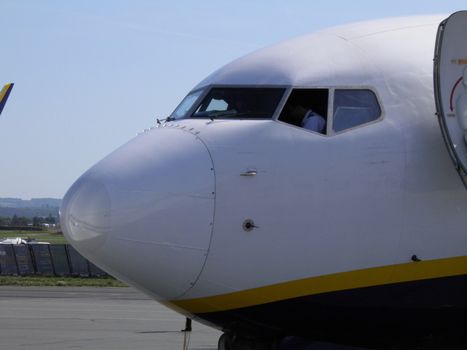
point(377, 276)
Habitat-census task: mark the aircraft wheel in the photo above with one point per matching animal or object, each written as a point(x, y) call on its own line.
point(225, 342)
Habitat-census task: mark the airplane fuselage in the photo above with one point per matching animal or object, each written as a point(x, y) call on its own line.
point(259, 226)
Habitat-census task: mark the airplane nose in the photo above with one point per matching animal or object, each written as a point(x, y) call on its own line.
point(86, 214)
point(145, 212)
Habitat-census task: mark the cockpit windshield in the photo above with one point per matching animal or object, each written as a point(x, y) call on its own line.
point(186, 105)
point(231, 102)
point(242, 103)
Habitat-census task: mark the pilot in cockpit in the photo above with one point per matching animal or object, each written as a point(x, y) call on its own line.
point(306, 118)
point(314, 122)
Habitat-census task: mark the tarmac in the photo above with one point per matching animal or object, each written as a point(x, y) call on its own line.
point(49, 318)
point(52, 318)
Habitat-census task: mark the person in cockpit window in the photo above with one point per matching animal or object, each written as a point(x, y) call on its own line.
point(314, 122)
point(299, 115)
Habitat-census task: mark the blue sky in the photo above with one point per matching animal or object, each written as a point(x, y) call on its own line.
point(89, 75)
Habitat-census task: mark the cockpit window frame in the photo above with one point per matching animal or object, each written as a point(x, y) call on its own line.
point(288, 89)
point(330, 110)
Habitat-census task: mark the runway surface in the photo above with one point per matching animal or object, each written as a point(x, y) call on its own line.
point(49, 318)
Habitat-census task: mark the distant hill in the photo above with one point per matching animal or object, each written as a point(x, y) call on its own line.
point(30, 203)
point(29, 208)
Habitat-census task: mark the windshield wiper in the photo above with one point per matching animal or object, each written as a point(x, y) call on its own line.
point(230, 114)
point(216, 114)
point(164, 120)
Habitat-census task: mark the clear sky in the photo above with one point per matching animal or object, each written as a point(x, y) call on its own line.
point(89, 75)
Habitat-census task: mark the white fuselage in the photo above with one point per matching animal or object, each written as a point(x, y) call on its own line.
point(165, 211)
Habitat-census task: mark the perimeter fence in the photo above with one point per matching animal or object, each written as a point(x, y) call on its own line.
point(45, 260)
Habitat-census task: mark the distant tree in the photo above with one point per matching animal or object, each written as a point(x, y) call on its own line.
point(23, 221)
point(6, 221)
point(19, 221)
point(50, 219)
point(14, 220)
point(37, 221)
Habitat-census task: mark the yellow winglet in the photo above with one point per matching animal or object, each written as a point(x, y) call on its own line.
point(4, 95)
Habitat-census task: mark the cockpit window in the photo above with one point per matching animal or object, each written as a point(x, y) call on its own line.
point(241, 103)
point(353, 108)
point(186, 105)
point(307, 108)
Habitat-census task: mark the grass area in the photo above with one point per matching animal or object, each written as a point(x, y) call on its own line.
point(42, 236)
point(59, 281)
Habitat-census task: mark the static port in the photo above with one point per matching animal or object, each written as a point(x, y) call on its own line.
point(248, 225)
